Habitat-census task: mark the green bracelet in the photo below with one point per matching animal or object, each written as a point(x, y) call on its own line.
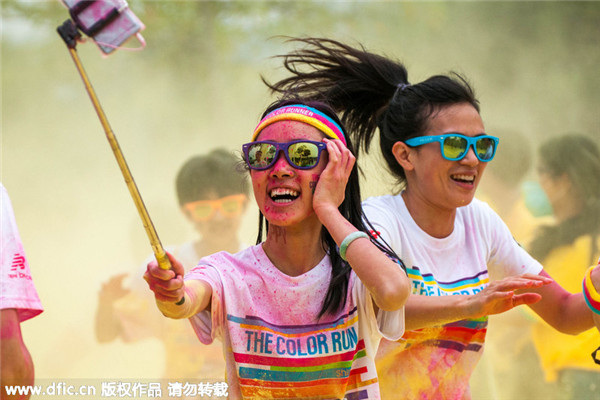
point(349, 239)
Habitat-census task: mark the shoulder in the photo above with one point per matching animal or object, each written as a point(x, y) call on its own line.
point(389, 205)
point(388, 199)
point(478, 211)
point(228, 264)
point(241, 257)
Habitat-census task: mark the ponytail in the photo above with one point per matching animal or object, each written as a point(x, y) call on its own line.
point(369, 91)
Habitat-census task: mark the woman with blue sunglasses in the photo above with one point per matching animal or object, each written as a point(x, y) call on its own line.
point(301, 313)
point(460, 257)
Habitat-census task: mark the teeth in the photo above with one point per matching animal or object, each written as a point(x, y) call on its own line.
point(283, 195)
point(467, 178)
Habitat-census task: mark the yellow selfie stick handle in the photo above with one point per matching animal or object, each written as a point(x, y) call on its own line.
point(159, 251)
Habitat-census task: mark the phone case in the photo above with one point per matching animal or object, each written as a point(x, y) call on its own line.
point(122, 22)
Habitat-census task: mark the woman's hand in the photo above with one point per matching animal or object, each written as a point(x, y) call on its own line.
point(330, 189)
point(501, 295)
point(167, 284)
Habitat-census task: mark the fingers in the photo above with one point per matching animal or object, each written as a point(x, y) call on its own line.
point(526, 298)
point(525, 281)
point(167, 285)
point(118, 278)
point(341, 159)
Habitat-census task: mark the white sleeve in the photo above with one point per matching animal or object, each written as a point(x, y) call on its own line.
point(389, 324)
point(506, 257)
point(385, 223)
point(16, 283)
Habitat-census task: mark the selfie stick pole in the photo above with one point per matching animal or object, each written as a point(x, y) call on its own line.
point(69, 32)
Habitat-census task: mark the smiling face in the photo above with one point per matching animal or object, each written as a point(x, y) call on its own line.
point(284, 193)
point(439, 182)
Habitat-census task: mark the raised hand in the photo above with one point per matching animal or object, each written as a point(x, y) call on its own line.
point(330, 190)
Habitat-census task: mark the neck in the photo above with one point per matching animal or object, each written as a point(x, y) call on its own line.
point(294, 251)
point(435, 221)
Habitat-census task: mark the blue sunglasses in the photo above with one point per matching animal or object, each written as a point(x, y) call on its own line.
point(301, 154)
point(455, 146)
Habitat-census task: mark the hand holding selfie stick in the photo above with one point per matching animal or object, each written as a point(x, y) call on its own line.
point(70, 33)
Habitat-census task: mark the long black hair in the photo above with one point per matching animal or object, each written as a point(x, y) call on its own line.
point(350, 208)
point(578, 157)
point(370, 91)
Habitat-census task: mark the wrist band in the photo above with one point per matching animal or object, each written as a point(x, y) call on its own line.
point(590, 294)
point(349, 239)
point(587, 281)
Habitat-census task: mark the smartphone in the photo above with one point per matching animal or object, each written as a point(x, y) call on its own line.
point(110, 23)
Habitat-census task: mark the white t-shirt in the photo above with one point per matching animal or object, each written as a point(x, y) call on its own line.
point(274, 344)
point(16, 284)
point(437, 362)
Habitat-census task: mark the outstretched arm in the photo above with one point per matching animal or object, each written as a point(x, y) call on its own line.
point(385, 280)
point(174, 298)
point(498, 297)
point(564, 311)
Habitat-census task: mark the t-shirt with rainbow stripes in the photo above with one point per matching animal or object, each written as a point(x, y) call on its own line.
point(437, 362)
point(274, 345)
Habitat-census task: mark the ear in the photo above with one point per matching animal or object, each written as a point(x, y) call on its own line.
point(402, 154)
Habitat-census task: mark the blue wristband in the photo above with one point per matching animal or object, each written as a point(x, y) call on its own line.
point(349, 239)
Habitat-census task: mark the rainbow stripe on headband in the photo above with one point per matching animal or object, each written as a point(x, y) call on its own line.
point(302, 113)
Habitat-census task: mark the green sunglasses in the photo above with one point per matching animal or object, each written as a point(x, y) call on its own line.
point(455, 146)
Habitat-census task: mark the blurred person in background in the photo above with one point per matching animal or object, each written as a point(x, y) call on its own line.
point(507, 189)
point(19, 302)
point(213, 197)
point(569, 173)
point(505, 185)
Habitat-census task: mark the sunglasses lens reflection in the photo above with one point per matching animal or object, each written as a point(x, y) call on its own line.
point(261, 155)
point(485, 148)
point(299, 154)
point(303, 154)
point(455, 147)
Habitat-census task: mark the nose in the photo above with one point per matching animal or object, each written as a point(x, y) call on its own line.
point(470, 158)
point(281, 168)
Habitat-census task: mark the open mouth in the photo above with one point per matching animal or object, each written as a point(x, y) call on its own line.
point(468, 179)
point(281, 195)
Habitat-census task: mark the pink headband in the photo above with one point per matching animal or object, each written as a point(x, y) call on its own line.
point(302, 113)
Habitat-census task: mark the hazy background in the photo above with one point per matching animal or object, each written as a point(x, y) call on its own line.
point(195, 87)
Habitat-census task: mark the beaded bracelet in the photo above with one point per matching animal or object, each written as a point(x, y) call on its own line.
point(591, 296)
point(349, 239)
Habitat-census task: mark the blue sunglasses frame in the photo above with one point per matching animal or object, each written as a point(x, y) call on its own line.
point(471, 142)
point(279, 147)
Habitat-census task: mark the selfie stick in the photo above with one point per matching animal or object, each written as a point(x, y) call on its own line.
point(70, 33)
